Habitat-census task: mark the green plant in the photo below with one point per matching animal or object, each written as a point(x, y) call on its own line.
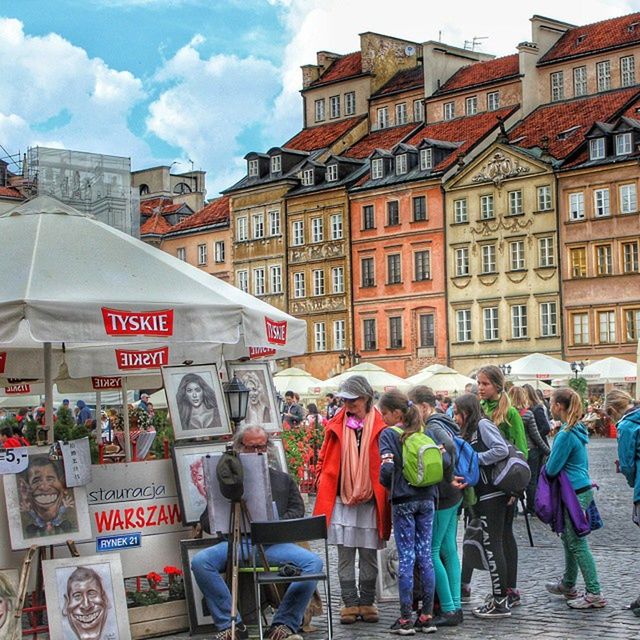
point(164, 431)
point(155, 593)
point(579, 385)
point(302, 445)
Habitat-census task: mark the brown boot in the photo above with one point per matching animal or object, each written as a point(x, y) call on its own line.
point(369, 612)
point(348, 615)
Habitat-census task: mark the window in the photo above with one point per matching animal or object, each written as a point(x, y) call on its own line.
point(276, 164)
point(489, 258)
point(275, 278)
point(242, 278)
point(218, 251)
point(258, 226)
point(368, 217)
point(546, 253)
point(336, 226)
point(597, 149)
point(601, 203)
point(318, 282)
point(422, 263)
point(463, 325)
point(426, 159)
point(515, 203)
point(486, 207)
point(548, 319)
point(258, 282)
point(393, 213)
point(254, 169)
point(395, 333)
point(242, 231)
point(319, 336)
point(339, 335)
point(383, 118)
point(606, 326)
point(462, 261)
point(377, 168)
point(579, 81)
point(367, 268)
point(519, 321)
point(319, 110)
point(627, 71)
point(202, 254)
point(299, 285)
point(419, 208)
point(337, 280)
point(632, 324)
point(471, 106)
point(557, 86)
point(298, 233)
point(427, 334)
point(448, 110)
point(460, 210)
point(334, 106)
point(308, 177)
point(317, 230)
point(603, 74)
point(349, 103)
point(493, 101)
point(401, 113)
point(580, 322)
point(332, 173)
point(544, 198)
point(394, 273)
point(578, 258)
point(576, 206)
point(516, 255)
point(274, 223)
point(418, 111)
point(369, 333)
point(623, 144)
point(181, 253)
point(604, 266)
point(628, 198)
point(630, 257)
point(401, 164)
point(490, 323)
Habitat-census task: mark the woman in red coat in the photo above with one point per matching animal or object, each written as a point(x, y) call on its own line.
point(351, 497)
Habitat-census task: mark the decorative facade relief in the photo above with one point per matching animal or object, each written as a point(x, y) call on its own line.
point(511, 224)
point(498, 169)
point(311, 305)
point(318, 251)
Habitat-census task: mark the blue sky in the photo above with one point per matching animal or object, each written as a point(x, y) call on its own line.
point(208, 80)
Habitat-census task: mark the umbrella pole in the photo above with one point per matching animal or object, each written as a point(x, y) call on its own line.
point(99, 417)
point(48, 392)
point(125, 415)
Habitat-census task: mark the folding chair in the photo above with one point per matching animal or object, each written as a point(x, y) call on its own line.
point(283, 531)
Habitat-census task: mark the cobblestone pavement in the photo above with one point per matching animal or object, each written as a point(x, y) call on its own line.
point(542, 615)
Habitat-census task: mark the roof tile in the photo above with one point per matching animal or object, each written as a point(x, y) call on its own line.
point(215, 212)
point(321, 136)
point(481, 73)
point(381, 139)
point(342, 68)
point(403, 81)
point(155, 225)
point(10, 192)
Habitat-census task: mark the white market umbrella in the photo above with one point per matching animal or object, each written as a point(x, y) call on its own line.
point(539, 366)
point(297, 380)
point(159, 399)
point(379, 379)
point(536, 383)
point(611, 370)
point(440, 379)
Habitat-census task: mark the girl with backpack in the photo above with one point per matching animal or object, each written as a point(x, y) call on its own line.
point(412, 512)
point(491, 507)
point(569, 454)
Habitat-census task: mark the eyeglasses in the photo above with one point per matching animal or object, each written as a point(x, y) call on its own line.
point(257, 448)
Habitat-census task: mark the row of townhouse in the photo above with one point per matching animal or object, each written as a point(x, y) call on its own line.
point(443, 206)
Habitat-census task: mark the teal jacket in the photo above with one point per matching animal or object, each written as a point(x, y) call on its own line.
point(569, 454)
point(629, 450)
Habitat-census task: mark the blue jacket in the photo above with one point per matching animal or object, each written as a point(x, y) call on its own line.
point(569, 453)
point(629, 450)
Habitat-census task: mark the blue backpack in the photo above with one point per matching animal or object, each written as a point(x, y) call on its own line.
point(467, 465)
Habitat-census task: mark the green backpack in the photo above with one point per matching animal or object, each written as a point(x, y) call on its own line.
point(421, 459)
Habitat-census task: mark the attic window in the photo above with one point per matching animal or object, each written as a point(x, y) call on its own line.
point(377, 169)
point(332, 173)
point(567, 133)
point(632, 27)
point(426, 158)
point(276, 164)
point(253, 169)
point(307, 177)
point(581, 38)
point(401, 164)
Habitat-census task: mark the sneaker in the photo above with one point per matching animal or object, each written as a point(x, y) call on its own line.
point(425, 624)
point(493, 608)
point(402, 627)
point(448, 619)
point(281, 631)
point(513, 598)
point(242, 633)
point(558, 588)
point(588, 601)
point(465, 594)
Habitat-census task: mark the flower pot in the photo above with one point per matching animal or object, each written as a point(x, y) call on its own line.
point(158, 619)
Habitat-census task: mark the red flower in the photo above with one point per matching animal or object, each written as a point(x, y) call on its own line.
point(172, 571)
point(154, 579)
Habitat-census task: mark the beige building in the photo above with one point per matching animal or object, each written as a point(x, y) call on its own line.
point(182, 188)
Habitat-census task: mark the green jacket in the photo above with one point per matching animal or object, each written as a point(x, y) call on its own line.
point(512, 429)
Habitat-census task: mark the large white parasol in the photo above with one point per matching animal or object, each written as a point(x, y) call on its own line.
point(441, 379)
point(379, 379)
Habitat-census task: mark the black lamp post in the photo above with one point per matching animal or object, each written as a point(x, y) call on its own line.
point(577, 368)
point(506, 369)
point(237, 394)
point(352, 356)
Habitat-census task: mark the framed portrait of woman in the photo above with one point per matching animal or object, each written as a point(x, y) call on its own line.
point(196, 401)
point(262, 408)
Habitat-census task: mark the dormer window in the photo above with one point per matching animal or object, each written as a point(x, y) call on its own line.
point(596, 149)
point(253, 169)
point(426, 159)
point(377, 169)
point(307, 177)
point(276, 164)
point(332, 173)
point(401, 164)
point(383, 118)
point(623, 144)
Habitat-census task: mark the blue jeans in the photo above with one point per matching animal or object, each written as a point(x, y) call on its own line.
point(413, 528)
point(209, 563)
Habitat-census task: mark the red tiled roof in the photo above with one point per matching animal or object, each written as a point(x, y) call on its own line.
point(321, 136)
point(155, 225)
point(403, 81)
point(149, 207)
point(215, 212)
point(552, 120)
point(580, 41)
point(381, 139)
point(481, 73)
point(10, 192)
point(342, 68)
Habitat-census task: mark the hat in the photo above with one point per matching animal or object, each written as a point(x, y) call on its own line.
point(355, 387)
point(143, 396)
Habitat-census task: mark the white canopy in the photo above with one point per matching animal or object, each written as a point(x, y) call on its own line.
point(539, 366)
point(379, 379)
point(298, 380)
point(611, 370)
point(441, 379)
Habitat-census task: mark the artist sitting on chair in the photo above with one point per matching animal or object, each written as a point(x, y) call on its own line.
point(208, 564)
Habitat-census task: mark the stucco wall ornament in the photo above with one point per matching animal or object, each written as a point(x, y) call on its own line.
point(498, 169)
point(507, 223)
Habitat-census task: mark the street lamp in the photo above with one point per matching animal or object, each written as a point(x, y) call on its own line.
point(237, 394)
point(352, 356)
point(506, 369)
point(577, 368)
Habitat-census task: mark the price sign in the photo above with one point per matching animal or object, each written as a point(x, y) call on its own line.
point(13, 460)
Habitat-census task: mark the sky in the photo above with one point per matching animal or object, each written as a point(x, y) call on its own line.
point(200, 83)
